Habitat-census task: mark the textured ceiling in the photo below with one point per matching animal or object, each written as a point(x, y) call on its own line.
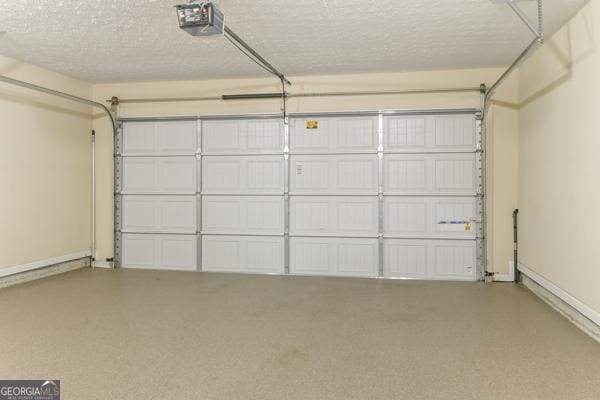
point(139, 40)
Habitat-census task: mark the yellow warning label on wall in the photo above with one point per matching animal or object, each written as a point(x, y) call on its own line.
point(312, 124)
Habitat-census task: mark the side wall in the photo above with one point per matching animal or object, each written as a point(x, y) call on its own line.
point(501, 134)
point(559, 172)
point(45, 173)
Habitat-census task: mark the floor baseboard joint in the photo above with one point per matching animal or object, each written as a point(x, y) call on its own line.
point(559, 305)
point(51, 270)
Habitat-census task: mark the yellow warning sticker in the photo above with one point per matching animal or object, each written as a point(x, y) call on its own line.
point(312, 124)
point(468, 227)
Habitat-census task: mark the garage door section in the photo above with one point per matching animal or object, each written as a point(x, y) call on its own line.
point(243, 195)
point(396, 196)
point(432, 196)
point(391, 195)
point(158, 202)
point(334, 184)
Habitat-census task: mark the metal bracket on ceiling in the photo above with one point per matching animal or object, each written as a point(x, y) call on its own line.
point(537, 31)
point(537, 41)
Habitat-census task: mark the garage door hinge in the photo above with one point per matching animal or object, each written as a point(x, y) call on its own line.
point(488, 273)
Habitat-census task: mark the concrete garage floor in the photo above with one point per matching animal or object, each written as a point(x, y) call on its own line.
point(170, 335)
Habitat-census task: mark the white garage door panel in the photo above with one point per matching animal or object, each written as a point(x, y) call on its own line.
point(382, 194)
point(161, 175)
point(430, 259)
point(348, 174)
point(244, 175)
point(173, 137)
point(323, 215)
point(243, 214)
point(344, 134)
point(334, 256)
point(426, 133)
point(177, 252)
point(261, 254)
point(430, 174)
point(443, 217)
point(242, 136)
point(168, 214)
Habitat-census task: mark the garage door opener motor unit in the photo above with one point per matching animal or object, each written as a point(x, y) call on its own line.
point(201, 18)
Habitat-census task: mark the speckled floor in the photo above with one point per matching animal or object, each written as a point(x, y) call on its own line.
point(170, 335)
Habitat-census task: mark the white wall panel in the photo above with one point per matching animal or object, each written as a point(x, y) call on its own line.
point(243, 214)
point(177, 252)
point(242, 136)
point(430, 174)
point(334, 134)
point(260, 254)
point(242, 174)
point(162, 175)
point(327, 174)
point(430, 259)
point(166, 137)
point(322, 215)
point(333, 256)
point(169, 214)
point(429, 133)
point(442, 217)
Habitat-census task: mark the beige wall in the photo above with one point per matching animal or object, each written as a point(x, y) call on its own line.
point(541, 134)
point(501, 134)
point(44, 168)
point(502, 174)
point(559, 190)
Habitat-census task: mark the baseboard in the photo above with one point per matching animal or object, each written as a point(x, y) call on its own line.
point(41, 269)
point(17, 269)
point(574, 310)
point(510, 277)
point(103, 264)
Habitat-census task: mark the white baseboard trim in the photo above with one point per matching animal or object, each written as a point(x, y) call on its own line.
point(103, 264)
point(582, 308)
point(43, 263)
point(510, 277)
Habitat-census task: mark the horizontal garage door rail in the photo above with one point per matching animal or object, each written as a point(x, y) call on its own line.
point(394, 194)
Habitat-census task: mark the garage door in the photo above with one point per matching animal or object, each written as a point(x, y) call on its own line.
point(158, 206)
point(395, 195)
